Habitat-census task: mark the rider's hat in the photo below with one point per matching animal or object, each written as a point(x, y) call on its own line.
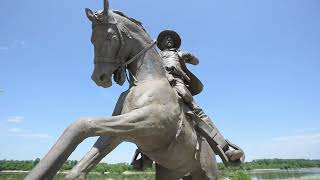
point(174, 35)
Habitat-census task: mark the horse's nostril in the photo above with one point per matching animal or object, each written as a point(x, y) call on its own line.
point(102, 77)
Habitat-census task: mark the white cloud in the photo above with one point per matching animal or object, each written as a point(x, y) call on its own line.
point(14, 44)
point(303, 139)
point(17, 43)
point(3, 48)
point(34, 135)
point(21, 133)
point(304, 145)
point(15, 119)
point(14, 130)
point(8, 130)
point(306, 130)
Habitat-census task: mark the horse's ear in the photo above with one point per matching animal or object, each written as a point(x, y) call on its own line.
point(119, 76)
point(105, 7)
point(90, 14)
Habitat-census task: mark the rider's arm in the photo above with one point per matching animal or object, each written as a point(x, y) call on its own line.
point(173, 70)
point(172, 64)
point(188, 57)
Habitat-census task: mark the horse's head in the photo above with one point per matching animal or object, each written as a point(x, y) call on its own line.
point(106, 39)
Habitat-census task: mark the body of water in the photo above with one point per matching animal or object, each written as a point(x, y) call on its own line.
point(299, 174)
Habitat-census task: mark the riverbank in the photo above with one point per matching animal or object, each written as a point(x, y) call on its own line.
point(253, 171)
point(259, 174)
point(281, 169)
point(122, 167)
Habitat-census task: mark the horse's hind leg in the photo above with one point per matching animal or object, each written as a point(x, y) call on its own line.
point(102, 147)
point(128, 125)
point(208, 169)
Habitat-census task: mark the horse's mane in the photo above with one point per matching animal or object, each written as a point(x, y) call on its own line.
point(138, 23)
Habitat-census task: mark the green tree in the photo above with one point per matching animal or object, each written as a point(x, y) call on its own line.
point(36, 161)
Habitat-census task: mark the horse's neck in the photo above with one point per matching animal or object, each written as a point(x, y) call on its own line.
point(148, 66)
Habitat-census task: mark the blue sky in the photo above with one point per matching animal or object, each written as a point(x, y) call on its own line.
point(259, 61)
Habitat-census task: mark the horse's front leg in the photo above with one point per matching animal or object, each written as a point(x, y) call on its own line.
point(103, 146)
point(124, 126)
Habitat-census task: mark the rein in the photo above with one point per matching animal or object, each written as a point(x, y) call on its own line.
point(126, 63)
point(123, 64)
point(138, 55)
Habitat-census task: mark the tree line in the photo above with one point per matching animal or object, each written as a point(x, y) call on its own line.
point(28, 165)
point(274, 164)
point(121, 167)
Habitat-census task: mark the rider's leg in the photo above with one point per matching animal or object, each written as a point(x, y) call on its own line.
point(183, 92)
point(208, 130)
point(200, 113)
point(215, 138)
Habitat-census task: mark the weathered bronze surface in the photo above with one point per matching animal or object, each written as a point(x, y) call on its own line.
point(148, 114)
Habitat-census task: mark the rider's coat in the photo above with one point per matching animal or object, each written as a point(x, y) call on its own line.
point(181, 79)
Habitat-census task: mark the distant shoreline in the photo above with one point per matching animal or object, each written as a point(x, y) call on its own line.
point(255, 166)
point(94, 172)
point(153, 172)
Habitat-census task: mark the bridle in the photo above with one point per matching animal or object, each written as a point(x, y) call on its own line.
point(123, 63)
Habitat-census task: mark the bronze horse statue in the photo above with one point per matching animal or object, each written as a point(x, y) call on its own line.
point(148, 114)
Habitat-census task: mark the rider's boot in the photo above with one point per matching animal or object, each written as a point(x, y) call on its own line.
point(230, 154)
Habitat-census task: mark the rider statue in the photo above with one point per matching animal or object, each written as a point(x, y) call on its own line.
point(187, 85)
